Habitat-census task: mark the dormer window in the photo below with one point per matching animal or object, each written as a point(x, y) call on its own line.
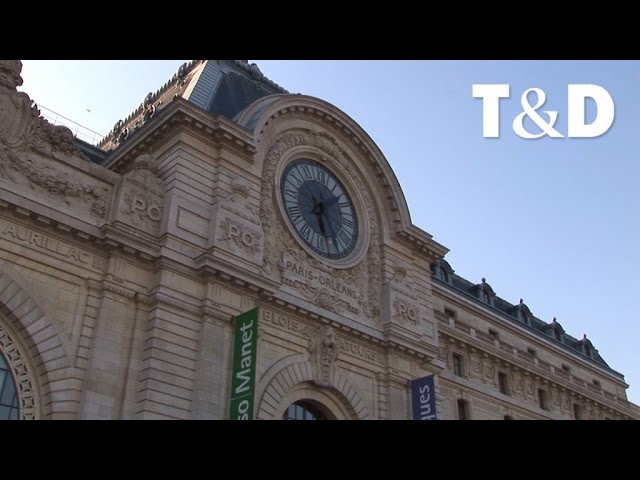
point(485, 297)
point(587, 348)
point(556, 330)
point(521, 312)
point(442, 271)
point(442, 274)
point(484, 292)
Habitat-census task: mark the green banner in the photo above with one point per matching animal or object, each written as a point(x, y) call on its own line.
point(243, 373)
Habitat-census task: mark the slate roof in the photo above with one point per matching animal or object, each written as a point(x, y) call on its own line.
point(552, 332)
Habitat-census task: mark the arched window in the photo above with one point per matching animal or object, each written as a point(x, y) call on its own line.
point(442, 273)
point(304, 410)
point(485, 297)
point(8, 397)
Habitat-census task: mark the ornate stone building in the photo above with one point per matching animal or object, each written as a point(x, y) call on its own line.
point(123, 265)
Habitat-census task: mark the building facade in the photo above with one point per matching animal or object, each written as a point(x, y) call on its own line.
point(124, 265)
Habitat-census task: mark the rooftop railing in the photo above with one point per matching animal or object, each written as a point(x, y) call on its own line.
point(79, 131)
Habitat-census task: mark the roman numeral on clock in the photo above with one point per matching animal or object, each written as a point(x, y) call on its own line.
point(322, 244)
point(294, 213)
point(291, 193)
point(344, 237)
point(305, 231)
point(306, 171)
point(321, 176)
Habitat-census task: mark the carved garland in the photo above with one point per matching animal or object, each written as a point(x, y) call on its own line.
point(55, 183)
point(277, 239)
point(23, 132)
point(21, 375)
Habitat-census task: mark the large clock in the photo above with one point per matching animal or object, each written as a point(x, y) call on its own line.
point(319, 208)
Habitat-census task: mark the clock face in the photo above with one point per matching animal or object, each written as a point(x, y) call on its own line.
point(319, 209)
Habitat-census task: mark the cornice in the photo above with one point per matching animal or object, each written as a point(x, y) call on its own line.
point(181, 115)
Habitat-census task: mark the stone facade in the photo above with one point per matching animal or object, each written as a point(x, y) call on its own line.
point(119, 278)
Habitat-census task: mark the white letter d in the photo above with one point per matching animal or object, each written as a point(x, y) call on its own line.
point(576, 112)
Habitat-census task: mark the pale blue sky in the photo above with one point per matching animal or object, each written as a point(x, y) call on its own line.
point(552, 221)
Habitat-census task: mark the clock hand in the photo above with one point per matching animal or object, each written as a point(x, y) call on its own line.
point(310, 192)
point(333, 240)
point(321, 223)
point(327, 203)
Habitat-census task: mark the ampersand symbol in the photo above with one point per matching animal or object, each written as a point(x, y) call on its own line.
point(529, 111)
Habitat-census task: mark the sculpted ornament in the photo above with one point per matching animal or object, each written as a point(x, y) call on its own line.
point(365, 277)
point(239, 235)
point(24, 132)
point(144, 171)
point(142, 210)
point(143, 194)
point(488, 369)
point(400, 281)
point(238, 201)
point(22, 170)
point(324, 350)
point(476, 366)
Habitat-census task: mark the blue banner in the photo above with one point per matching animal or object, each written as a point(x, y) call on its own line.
point(423, 398)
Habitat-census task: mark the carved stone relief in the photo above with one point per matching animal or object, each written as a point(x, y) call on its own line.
point(476, 367)
point(236, 224)
point(142, 195)
point(528, 387)
point(400, 303)
point(555, 400)
point(354, 290)
point(238, 201)
point(323, 350)
point(518, 384)
point(566, 404)
point(239, 238)
point(21, 375)
point(488, 370)
point(24, 132)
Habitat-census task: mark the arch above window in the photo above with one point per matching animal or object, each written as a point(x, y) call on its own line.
point(442, 271)
point(521, 312)
point(484, 292)
point(306, 410)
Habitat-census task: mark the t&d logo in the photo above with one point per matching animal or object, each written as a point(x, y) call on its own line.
point(576, 115)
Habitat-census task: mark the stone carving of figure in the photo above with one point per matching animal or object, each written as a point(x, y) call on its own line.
point(10, 74)
point(324, 350)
